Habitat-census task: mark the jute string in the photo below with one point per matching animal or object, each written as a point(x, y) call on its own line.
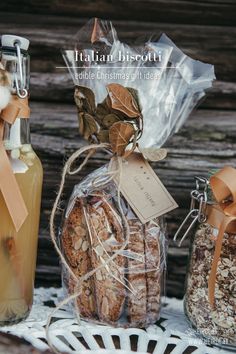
point(108, 176)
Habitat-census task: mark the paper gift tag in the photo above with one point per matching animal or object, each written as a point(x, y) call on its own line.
point(143, 190)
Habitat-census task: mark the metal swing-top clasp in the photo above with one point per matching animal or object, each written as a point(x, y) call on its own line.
point(15, 57)
point(20, 89)
point(197, 210)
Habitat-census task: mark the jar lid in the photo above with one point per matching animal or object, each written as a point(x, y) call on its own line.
point(9, 41)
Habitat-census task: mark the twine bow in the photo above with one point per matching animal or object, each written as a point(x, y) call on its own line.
point(17, 108)
point(223, 185)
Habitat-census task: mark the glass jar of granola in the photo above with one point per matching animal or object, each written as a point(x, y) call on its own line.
point(210, 298)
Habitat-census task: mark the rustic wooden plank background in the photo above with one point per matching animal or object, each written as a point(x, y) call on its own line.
point(203, 29)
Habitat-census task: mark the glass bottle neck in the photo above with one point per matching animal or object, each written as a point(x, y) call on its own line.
point(17, 68)
point(17, 134)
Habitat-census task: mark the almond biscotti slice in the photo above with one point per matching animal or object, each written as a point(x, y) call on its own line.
point(137, 298)
point(106, 233)
point(75, 244)
point(153, 270)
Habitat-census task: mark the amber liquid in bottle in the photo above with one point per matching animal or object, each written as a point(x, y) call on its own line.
point(18, 249)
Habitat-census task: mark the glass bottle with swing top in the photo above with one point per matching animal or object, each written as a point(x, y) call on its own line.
point(18, 249)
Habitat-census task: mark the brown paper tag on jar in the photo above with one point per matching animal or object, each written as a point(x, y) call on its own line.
point(142, 189)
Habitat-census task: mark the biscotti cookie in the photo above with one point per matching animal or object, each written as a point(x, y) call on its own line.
point(85, 301)
point(137, 298)
point(75, 243)
point(153, 270)
point(106, 234)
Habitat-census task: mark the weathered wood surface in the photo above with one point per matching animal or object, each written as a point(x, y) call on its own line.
point(178, 11)
point(48, 34)
point(57, 87)
point(203, 29)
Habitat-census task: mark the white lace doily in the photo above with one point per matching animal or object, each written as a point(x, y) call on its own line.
point(174, 332)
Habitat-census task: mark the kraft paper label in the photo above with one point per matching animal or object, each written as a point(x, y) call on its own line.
point(143, 190)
